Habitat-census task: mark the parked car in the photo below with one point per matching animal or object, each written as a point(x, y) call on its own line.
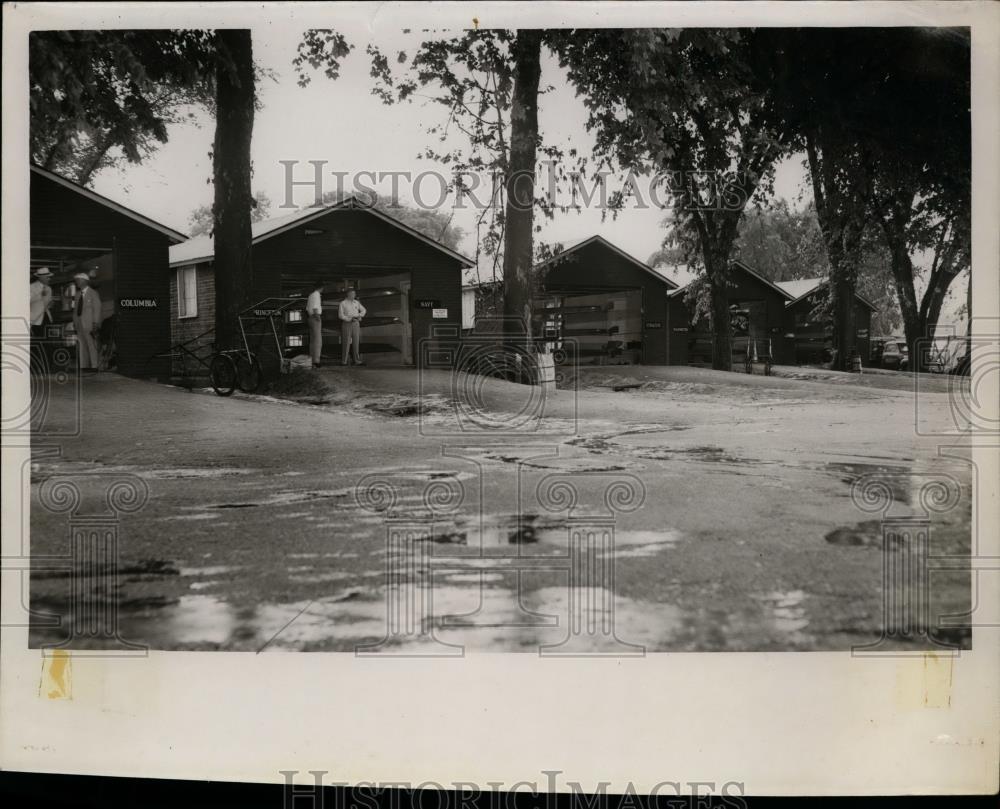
point(896, 355)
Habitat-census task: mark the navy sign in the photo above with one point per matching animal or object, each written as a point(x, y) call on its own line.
point(427, 303)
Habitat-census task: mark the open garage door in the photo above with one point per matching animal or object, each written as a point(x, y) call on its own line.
point(386, 336)
point(595, 328)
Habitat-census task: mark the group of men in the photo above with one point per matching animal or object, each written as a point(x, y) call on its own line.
point(86, 316)
point(350, 313)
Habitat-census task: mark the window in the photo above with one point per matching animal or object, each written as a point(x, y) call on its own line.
point(187, 292)
point(294, 315)
point(293, 340)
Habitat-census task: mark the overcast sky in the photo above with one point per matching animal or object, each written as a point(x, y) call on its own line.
point(343, 123)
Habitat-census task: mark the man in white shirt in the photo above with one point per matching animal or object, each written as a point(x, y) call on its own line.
point(314, 311)
point(87, 322)
point(351, 312)
point(41, 300)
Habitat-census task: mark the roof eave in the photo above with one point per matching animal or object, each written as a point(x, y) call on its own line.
point(83, 191)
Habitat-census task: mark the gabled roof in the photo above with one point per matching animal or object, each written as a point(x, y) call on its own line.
point(776, 287)
point(800, 287)
point(606, 244)
point(93, 196)
point(762, 279)
point(805, 287)
point(202, 248)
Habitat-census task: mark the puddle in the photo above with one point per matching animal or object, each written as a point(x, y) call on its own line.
point(569, 464)
point(203, 585)
point(474, 577)
point(212, 570)
point(285, 498)
point(788, 616)
point(500, 530)
point(316, 578)
point(183, 474)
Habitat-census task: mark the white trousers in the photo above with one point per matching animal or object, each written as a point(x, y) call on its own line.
point(86, 348)
point(350, 337)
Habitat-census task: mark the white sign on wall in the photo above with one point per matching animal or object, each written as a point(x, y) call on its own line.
point(439, 314)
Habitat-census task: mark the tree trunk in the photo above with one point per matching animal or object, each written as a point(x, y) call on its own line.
point(842, 288)
point(722, 333)
point(840, 212)
point(234, 96)
point(518, 250)
point(902, 273)
point(968, 316)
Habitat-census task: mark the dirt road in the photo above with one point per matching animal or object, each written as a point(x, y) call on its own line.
point(431, 513)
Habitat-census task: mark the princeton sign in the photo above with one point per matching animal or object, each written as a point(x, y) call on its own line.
point(138, 303)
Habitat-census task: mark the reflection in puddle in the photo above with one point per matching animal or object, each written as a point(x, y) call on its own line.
point(787, 613)
point(211, 570)
point(204, 585)
point(470, 610)
point(499, 530)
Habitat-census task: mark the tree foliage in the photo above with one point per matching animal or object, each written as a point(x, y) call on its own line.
point(98, 98)
point(888, 138)
point(692, 105)
point(487, 84)
point(201, 221)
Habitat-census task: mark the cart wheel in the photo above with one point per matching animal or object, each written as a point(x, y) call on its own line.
point(223, 374)
point(250, 374)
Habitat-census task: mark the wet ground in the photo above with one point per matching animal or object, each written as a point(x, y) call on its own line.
point(700, 511)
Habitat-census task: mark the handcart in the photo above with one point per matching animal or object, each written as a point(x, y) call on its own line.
point(754, 357)
point(232, 368)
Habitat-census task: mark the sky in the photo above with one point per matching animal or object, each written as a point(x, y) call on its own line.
point(341, 122)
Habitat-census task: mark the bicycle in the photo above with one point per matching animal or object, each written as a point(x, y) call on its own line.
point(235, 368)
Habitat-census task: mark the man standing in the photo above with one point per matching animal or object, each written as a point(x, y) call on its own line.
point(351, 312)
point(86, 322)
point(41, 300)
point(314, 311)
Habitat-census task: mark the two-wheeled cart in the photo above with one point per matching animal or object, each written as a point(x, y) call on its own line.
point(232, 368)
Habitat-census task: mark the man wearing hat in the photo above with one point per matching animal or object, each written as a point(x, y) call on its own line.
point(87, 322)
point(38, 312)
point(41, 300)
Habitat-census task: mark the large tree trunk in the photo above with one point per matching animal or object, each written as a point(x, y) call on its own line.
point(716, 258)
point(234, 96)
point(722, 333)
point(902, 273)
point(841, 213)
point(520, 187)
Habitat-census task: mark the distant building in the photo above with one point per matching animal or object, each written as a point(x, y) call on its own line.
point(599, 305)
point(810, 332)
point(757, 319)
